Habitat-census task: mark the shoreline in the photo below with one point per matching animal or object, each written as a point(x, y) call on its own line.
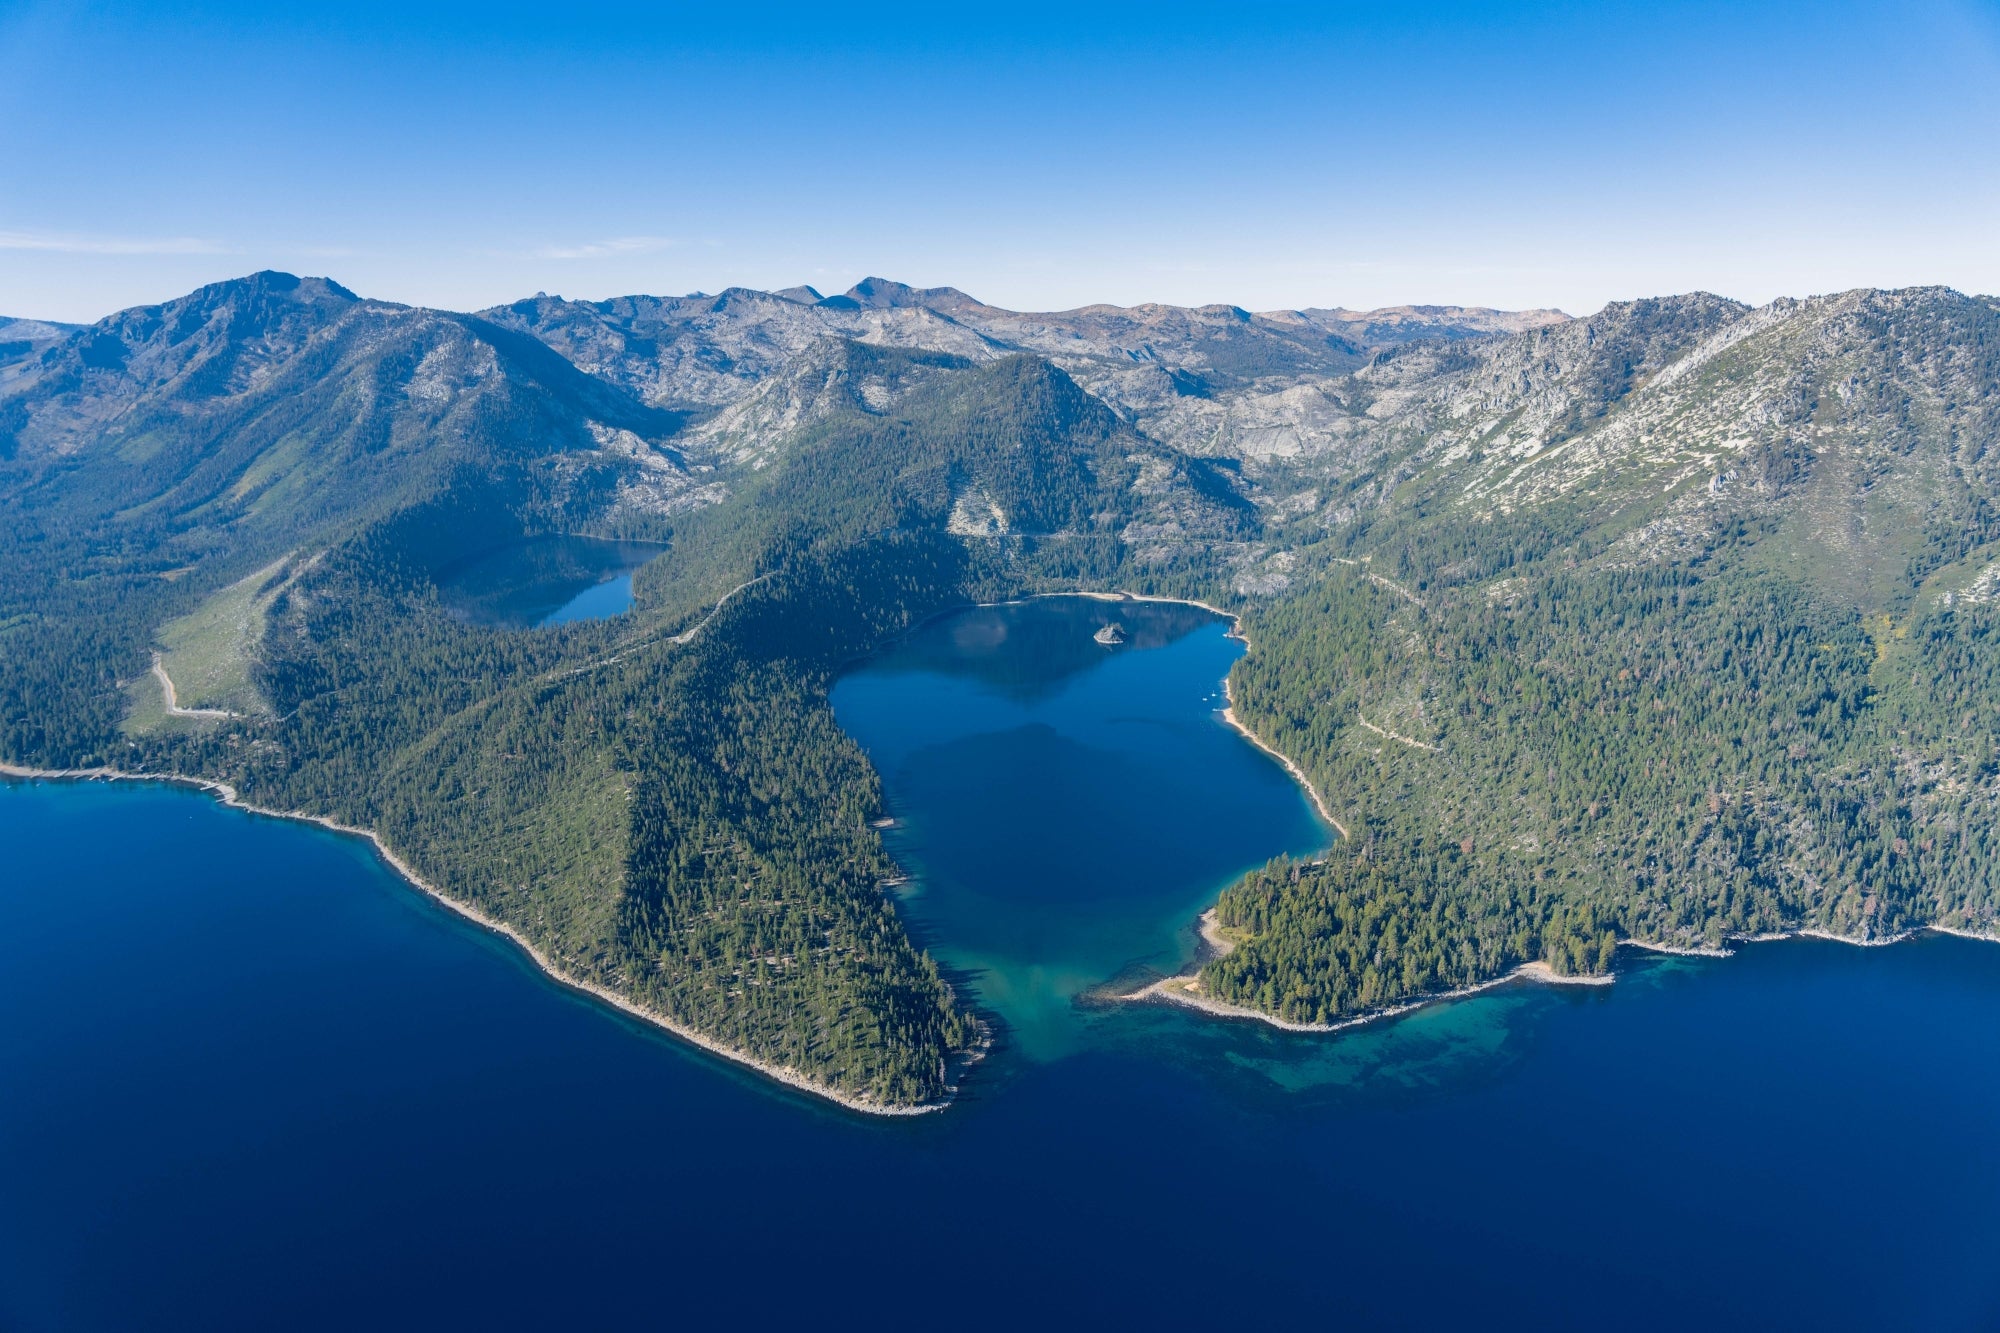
point(784, 1074)
point(1229, 716)
point(1297, 774)
point(1175, 989)
point(1180, 988)
point(1209, 926)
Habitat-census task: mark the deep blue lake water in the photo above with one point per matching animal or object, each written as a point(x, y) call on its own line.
point(1069, 821)
point(250, 1080)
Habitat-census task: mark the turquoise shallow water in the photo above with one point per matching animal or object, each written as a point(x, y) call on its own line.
point(249, 1080)
point(1066, 825)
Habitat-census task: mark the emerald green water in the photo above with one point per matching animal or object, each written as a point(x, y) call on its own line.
point(1066, 808)
point(250, 1080)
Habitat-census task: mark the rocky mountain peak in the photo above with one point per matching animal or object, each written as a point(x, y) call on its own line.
point(216, 340)
point(832, 375)
point(256, 299)
point(888, 294)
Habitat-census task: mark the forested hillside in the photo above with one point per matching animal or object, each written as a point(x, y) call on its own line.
point(661, 803)
point(1671, 624)
point(1678, 632)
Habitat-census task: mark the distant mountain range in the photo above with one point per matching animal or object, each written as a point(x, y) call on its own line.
point(1673, 623)
point(273, 386)
point(1143, 361)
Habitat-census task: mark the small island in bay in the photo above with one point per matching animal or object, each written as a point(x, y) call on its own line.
point(1606, 685)
point(1390, 720)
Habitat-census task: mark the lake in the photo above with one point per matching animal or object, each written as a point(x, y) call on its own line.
point(542, 581)
point(252, 1080)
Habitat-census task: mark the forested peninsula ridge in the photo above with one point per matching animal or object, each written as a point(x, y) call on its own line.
point(782, 1074)
point(1671, 624)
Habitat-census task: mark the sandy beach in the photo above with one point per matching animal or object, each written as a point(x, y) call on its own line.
point(1184, 988)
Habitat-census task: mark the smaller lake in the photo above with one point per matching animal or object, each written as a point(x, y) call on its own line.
point(544, 581)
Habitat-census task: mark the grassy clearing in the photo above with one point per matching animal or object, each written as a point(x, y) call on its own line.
point(208, 652)
point(146, 711)
point(145, 707)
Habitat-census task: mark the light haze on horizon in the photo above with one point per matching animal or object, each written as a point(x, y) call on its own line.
point(1267, 156)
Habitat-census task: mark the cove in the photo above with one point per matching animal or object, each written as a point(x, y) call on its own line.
point(249, 1079)
point(1067, 806)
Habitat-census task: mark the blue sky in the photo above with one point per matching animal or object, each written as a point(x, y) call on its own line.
point(1037, 155)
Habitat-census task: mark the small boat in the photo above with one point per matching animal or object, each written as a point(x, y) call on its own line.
point(1110, 634)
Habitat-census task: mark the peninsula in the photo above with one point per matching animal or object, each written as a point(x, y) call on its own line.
point(1672, 625)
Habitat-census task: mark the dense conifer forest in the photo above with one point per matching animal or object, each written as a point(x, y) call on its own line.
point(661, 803)
point(1673, 625)
point(1554, 729)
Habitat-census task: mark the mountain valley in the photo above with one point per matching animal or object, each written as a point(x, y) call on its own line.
point(1672, 624)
